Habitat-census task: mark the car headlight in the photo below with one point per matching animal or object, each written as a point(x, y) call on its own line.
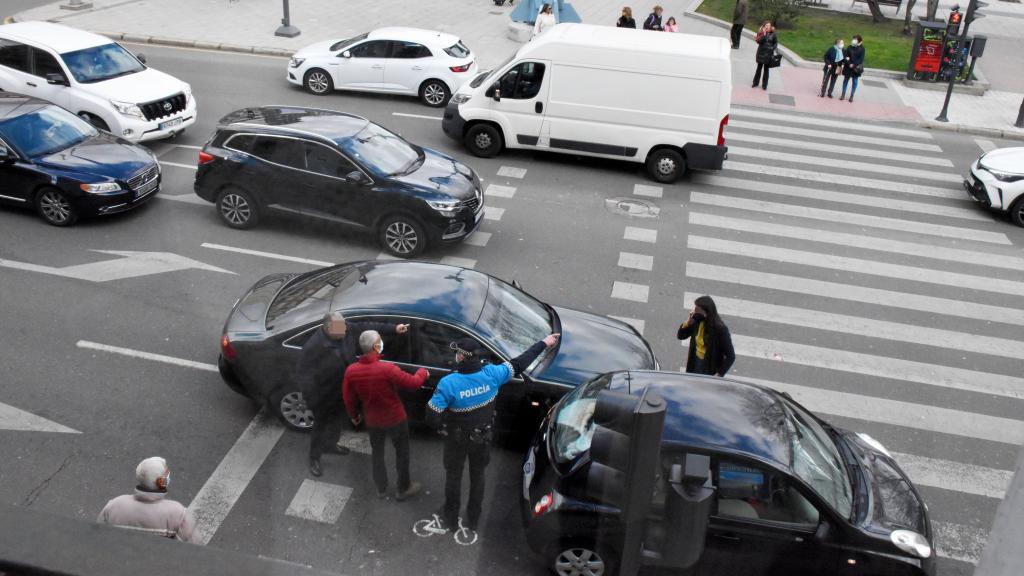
point(460, 99)
point(100, 188)
point(1005, 176)
point(296, 62)
point(911, 543)
point(127, 108)
point(188, 95)
point(445, 207)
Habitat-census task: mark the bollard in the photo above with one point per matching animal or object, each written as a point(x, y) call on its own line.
point(1020, 116)
point(286, 29)
point(76, 5)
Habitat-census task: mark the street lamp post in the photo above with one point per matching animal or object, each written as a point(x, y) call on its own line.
point(75, 5)
point(286, 29)
point(1020, 116)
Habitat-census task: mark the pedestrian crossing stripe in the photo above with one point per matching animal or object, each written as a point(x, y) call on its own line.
point(845, 164)
point(820, 122)
point(849, 139)
point(844, 149)
point(832, 178)
point(955, 476)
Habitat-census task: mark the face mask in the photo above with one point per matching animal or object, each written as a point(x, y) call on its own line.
point(167, 481)
point(855, 43)
point(840, 44)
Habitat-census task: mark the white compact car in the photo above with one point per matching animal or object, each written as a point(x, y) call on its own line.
point(96, 78)
point(997, 180)
point(425, 63)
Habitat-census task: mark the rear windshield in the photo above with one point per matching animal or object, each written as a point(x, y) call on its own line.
point(457, 50)
point(306, 298)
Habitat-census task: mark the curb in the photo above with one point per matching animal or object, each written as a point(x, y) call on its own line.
point(1003, 133)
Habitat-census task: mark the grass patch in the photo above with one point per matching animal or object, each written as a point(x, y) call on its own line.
point(814, 30)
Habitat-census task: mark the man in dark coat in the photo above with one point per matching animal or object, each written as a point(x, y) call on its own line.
point(739, 20)
point(319, 373)
point(834, 58)
point(653, 21)
point(711, 350)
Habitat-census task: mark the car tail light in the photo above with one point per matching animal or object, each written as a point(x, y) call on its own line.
point(721, 130)
point(205, 158)
point(544, 505)
point(226, 349)
point(463, 68)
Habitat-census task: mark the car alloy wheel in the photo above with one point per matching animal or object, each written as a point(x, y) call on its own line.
point(401, 238)
point(237, 208)
point(55, 208)
point(318, 82)
point(294, 411)
point(434, 94)
point(580, 561)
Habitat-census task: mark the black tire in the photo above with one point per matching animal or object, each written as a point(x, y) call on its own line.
point(95, 120)
point(434, 93)
point(483, 140)
point(665, 165)
point(402, 236)
point(318, 81)
point(291, 408)
point(1017, 211)
point(237, 208)
point(582, 557)
point(53, 205)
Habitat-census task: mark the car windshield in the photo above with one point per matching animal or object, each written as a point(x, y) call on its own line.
point(572, 423)
point(101, 63)
point(457, 50)
point(816, 460)
point(383, 152)
point(514, 320)
point(45, 131)
point(306, 298)
point(342, 44)
point(483, 76)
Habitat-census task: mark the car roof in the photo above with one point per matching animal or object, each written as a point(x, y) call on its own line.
point(13, 105)
point(317, 122)
point(418, 35)
point(718, 414)
point(60, 39)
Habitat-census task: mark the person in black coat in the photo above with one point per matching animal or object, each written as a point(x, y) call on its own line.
point(767, 42)
point(854, 65)
point(835, 61)
point(653, 21)
point(626, 20)
point(319, 373)
point(711, 350)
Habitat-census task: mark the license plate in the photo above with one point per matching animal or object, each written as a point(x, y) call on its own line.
point(169, 123)
point(147, 188)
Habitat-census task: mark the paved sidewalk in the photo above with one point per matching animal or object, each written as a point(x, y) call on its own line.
point(248, 26)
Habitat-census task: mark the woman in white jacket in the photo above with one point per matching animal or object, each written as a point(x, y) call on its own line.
point(545, 20)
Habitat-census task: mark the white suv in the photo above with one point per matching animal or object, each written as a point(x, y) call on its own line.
point(997, 181)
point(94, 77)
point(425, 63)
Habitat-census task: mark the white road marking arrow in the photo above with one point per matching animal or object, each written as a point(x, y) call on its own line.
point(129, 265)
point(12, 418)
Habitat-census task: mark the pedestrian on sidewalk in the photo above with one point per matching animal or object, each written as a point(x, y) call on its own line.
point(370, 390)
point(148, 509)
point(854, 65)
point(320, 367)
point(626, 20)
point(739, 20)
point(545, 20)
point(711, 350)
point(767, 42)
point(671, 25)
point(834, 59)
point(653, 21)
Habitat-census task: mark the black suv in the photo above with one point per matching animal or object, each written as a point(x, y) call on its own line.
point(340, 168)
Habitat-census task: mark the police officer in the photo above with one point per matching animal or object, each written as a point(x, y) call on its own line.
point(462, 407)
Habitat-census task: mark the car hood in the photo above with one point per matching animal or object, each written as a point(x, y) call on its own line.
point(103, 155)
point(894, 503)
point(592, 345)
point(139, 88)
point(442, 176)
point(1005, 160)
point(316, 48)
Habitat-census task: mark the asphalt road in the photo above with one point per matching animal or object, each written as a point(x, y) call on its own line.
point(860, 288)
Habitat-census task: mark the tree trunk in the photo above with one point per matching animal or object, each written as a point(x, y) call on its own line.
point(876, 12)
point(933, 8)
point(908, 16)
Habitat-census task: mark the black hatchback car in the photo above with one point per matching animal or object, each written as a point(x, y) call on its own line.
point(58, 164)
point(338, 168)
point(269, 324)
point(793, 494)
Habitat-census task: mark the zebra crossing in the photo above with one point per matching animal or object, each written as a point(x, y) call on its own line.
point(855, 275)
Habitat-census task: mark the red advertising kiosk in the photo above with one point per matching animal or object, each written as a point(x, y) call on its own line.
point(926, 56)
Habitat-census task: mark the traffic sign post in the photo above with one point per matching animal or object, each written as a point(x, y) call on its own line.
point(955, 59)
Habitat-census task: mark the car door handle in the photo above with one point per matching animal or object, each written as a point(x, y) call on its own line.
point(377, 67)
point(32, 84)
point(417, 67)
point(538, 107)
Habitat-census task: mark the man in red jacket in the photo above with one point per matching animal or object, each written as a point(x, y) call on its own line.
point(371, 386)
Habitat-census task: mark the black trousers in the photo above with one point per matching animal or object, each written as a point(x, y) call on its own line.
point(457, 449)
point(327, 423)
point(829, 79)
point(736, 33)
point(757, 75)
point(400, 440)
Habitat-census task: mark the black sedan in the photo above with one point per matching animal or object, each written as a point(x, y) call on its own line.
point(269, 324)
point(58, 164)
point(794, 495)
point(340, 169)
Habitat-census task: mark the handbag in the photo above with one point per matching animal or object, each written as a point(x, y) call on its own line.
point(859, 69)
point(775, 61)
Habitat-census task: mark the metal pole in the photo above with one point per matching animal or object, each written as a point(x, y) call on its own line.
point(949, 92)
point(286, 29)
point(75, 5)
point(1020, 116)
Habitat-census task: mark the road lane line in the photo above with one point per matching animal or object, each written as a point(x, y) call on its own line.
point(884, 169)
point(512, 172)
point(868, 327)
point(319, 501)
point(186, 198)
point(421, 116)
point(854, 218)
point(830, 179)
point(986, 258)
point(640, 234)
point(818, 122)
point(879, 366)
point(191, 147)
point(648, 190)
point(460, 262)
point(956, 476)
point(266, 254)
point(959, 542)
point(845, 137)
point(499, 191)
point(86, 344)
point(177, 165)
point(478, 238)
point(225, 486)
point(857, 265)
point(636, 261)
point(12, 418)
point(985, 145)
point(862, 151)
point(632, 292)
point(493, 214)
point(854, 293)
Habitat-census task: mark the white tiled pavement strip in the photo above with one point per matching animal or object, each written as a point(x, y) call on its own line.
point(319, 501)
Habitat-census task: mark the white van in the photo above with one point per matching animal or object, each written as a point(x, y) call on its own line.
point(652, 97)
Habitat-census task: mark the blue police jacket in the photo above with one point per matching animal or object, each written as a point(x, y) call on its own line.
point(470, 397)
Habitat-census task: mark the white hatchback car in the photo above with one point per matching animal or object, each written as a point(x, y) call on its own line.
point(997, 180)
point(96, 78)
point(425, 63)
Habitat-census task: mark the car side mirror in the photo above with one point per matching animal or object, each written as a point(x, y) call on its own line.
point(56, 79)
point(346, 54)
point(822, 532)
point(356, 176)
point(516, 284)
point(6, 156)
point(497, 94)
point(141, 57)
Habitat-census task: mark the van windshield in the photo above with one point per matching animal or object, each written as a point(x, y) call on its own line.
point(572, 423)
point(483, 76)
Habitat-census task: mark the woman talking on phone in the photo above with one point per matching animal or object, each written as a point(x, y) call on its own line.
point(711, 350)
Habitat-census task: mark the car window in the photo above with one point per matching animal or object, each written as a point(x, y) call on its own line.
point(347, 42)
point(457, 50)
point(371, 49)
point(13, 55)
point(44, 63)
point(523, 81)
point(45, 131)
point(434, 344)
point(397, 347)
point(754, 493)
point(323, 160)
point(401, 49)
point(101, 63)
point(240, 142)
point(284, 151)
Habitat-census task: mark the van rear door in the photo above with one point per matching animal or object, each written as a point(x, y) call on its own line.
point(523, 92)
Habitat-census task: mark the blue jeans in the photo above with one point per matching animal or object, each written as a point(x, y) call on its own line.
point(846, 80)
